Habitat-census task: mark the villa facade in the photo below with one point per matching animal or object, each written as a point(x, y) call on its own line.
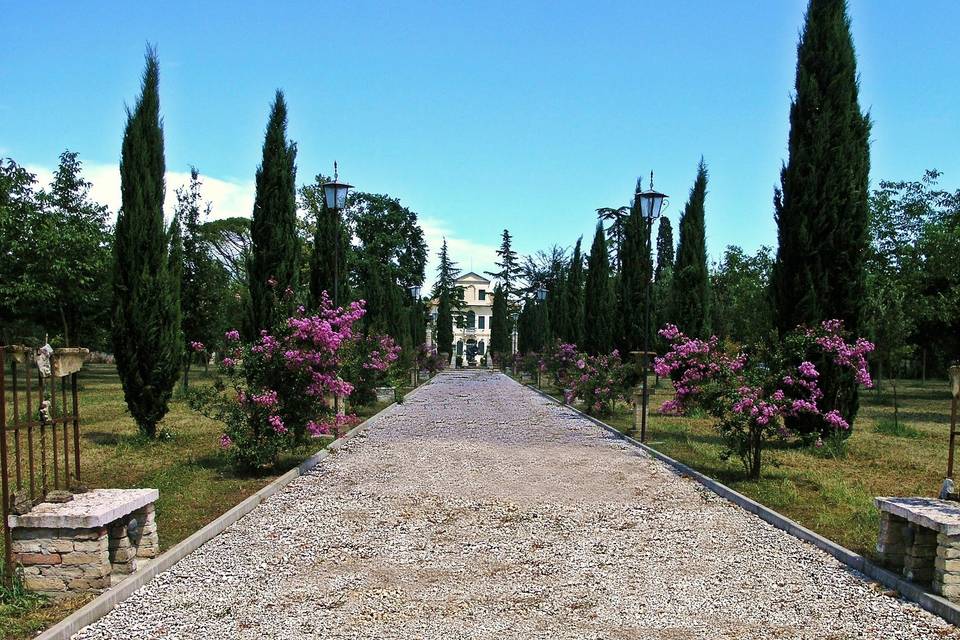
point(473, 338)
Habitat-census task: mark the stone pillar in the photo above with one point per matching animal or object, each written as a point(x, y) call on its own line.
point(56, 561)
point(123, 554)
point(918, 561)
point(147, 542)
point(946, 575)
point(892, 542)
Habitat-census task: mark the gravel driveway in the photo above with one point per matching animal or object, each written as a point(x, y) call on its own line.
point(478, 509)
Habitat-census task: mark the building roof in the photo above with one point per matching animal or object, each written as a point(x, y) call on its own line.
point(472, 277)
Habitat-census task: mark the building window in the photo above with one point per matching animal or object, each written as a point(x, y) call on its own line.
point(480, 347)
point(471, 320)
point(459, 347)
point(483, 296)
point(481, 322)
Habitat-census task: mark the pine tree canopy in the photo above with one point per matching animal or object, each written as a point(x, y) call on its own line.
point(274, 265)
point(147, 338)
point(691, 280)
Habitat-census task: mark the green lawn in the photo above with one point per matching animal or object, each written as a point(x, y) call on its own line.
point(196, 482)
point(831, 495)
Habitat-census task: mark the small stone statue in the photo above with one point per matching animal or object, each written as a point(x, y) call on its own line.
point(947, 489)
point(44, 413)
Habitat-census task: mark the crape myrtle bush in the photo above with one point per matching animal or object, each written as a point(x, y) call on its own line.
point(276, 392)
point(596, 381)
point(751, 391)
point(429, 360)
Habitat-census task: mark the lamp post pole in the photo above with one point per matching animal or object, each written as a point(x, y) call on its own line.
point(335, 195)
point(651, 202)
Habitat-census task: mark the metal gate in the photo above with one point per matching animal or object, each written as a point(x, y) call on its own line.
point(39, 431)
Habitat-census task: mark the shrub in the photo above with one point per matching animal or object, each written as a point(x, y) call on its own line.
point(752, 391)
point(277, 391)
point(598, 382)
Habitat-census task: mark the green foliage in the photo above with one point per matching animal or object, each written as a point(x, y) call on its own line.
point(500, 325)
point(822, 206)
point(741, 286)
point(691, 281)
point(510, 269)
point(574, 328)
point(203, 280)
point(896, 428)
point(634, 278)
point(599, 299)
point(56, 259)
point(665, 253)
point(147, 336)
point(275, 255)
point(444, 324)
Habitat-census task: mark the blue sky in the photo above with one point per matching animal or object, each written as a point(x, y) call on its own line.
point(479, 116)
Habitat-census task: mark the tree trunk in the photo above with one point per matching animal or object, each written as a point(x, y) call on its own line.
point(186, 373)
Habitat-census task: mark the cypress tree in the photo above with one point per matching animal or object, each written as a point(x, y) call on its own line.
point(637, 265)
point(273, 229)
point(147, 339)
point(444, 325)
point(599, 299)
point(499, 324)
point(691, 280)
point(822, 205)
point(510, 269)
point(574, 285)
point(665, 255)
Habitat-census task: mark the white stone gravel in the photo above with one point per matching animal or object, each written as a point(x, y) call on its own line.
point(478, 509)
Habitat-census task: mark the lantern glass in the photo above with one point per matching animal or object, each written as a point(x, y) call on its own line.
point(541, 294)
point(651, 202)
point(335, 194)
point(414, 292)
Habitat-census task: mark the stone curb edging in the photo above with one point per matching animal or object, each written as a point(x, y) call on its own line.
point(105, 602)
point(909, 590)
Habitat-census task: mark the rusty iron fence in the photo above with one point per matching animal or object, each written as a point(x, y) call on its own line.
point(39, 431)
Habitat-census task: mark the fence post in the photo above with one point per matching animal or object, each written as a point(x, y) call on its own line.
point(5, 488)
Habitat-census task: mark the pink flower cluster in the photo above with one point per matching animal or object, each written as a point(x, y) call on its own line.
point(853, 356)
point(690, 363)
point(196, 346)
point(333, 425)
point(386, 353)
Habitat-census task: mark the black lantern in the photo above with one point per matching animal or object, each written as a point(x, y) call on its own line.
point(541, 294)
point(414, 290)
point(335, 192)
point(651, 202)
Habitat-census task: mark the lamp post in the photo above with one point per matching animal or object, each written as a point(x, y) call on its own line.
point(650, 203)
point(541, 299)
point(335, 195)
point(414, 290)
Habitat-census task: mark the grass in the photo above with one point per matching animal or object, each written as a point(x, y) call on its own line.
point(195, 480)
point(827, 490)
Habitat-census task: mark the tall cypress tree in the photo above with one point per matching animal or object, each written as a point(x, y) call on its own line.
point(574, 285)
point(273, 229)
point(665, 255)
point(822, 207)
point(147, 339)
point(691, 280)
point(499, 324)
point(510, 269)
point(637, 265)
point(599, 299)
point(444, 325)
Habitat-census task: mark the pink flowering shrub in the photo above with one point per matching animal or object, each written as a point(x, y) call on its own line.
point(277, 392)
point(598, 382)
point(429, 359)
point(765, 390)
point(561, 362)
point(370, 362)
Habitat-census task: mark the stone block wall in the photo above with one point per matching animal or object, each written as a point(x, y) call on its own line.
point(892, 543)
point(946, 577)
point(55, 561)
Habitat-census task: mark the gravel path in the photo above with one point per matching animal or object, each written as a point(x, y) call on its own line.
point(478, 509)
